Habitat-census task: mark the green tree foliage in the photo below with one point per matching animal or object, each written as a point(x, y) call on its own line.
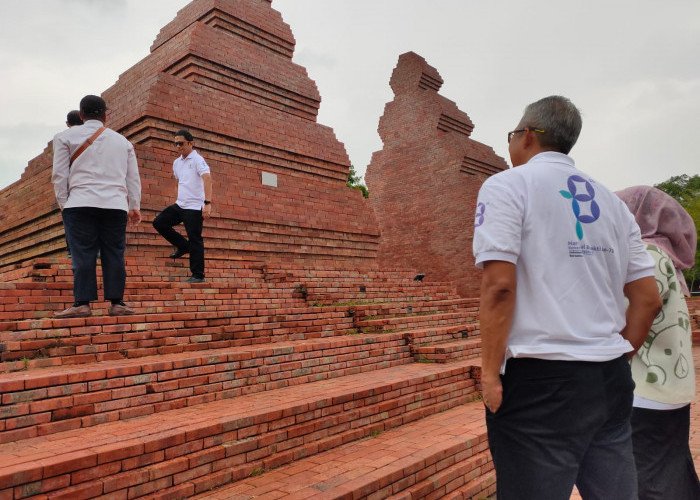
point(683, 188)
point(355, 182)
point(686, 190)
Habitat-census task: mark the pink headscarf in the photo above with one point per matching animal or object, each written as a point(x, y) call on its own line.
point(664, 223)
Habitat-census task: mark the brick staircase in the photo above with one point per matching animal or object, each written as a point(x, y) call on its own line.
point(263, 382)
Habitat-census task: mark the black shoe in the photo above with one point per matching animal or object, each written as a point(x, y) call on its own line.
point(178, 253)
point(194, 280)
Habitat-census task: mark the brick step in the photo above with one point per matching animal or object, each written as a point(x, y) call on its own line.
point(330, 293)
point(166, 271)
point(394, 309)
point(439, 318)
point(42, 300)
point(375, 298)
point(448, 333)
point(482, 487)
point(362, 291)
point(190, 450)
point(218, 265)
point(53, 342)
point(58, 269)
point(428, 458)
point(32, 301)
point(326, 274)
point(446, 352)
point(40, 402)
point(348, 281)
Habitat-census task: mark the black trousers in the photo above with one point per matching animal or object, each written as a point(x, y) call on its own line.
point(88, 230)
point(194, 244)
point(664, 463)
point(563, 423)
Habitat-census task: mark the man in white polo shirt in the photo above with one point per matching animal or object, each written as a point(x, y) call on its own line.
point(560, 252)
point(192, 206)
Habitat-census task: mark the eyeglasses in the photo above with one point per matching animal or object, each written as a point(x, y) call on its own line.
point(180, 143)
point(511, 134)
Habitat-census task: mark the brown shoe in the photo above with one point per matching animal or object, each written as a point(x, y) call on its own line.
point(120, 310)
point(74, 312)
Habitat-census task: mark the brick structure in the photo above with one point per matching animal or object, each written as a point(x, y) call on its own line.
point(296, 349)
point(424, 182)
point(223, 69)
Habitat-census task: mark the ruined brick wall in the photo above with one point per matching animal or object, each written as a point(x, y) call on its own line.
point(424, 182)
point(223, 69)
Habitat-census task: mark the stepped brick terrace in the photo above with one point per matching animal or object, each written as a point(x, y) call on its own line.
point(210, 384)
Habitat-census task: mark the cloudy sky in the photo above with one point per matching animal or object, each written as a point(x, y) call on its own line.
point(631, 66)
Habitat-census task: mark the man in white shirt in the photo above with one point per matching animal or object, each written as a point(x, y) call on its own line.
point(97, 186)
point(559, 252)
point(72, 119)
point(193, 205)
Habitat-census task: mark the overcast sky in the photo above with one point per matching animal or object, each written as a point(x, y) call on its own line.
point(631, 66)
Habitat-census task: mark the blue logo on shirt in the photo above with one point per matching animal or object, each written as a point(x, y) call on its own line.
point(479, 217)
point(579, 199)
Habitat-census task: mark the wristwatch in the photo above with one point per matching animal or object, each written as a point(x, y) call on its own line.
point(207, 202)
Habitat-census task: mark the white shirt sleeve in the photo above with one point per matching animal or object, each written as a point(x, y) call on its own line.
point(202, 167)
point(498, 223)
point(61, 169)
point(133, 180)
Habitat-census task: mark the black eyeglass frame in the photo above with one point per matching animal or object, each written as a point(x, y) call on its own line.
point(513, 132)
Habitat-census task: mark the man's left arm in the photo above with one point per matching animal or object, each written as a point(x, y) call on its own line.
point(498, 293)
point(133, 186)
point(206, 210)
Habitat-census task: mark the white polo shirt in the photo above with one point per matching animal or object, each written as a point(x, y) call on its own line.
point(575, 245)
point(190, 189)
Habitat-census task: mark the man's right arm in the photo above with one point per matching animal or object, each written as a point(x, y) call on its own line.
point(498, 293)
point(644, 305)
point(61, 170)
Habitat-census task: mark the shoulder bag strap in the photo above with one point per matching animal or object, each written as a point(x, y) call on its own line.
point(86, 144)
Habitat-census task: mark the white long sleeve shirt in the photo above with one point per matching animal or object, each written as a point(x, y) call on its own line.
point(105, 175)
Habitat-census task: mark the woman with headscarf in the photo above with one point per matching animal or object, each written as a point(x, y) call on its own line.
point(663, 367)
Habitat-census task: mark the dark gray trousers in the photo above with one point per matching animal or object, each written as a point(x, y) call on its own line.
point(564, 423)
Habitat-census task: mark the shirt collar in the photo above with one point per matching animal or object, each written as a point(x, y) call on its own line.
point(553, 157)
point(93, 124)
point(191, 155)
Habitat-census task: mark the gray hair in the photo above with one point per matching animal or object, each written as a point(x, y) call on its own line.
point(560, 120)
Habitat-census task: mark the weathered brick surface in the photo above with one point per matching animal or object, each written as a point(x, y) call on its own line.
point(200, 441)
point(223, 69)
point(392, 463)
point(694, 310)
point(425, 180)
point(172, 381)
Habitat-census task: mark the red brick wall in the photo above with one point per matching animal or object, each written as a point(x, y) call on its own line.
point(223, 69)
point(424, 182)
